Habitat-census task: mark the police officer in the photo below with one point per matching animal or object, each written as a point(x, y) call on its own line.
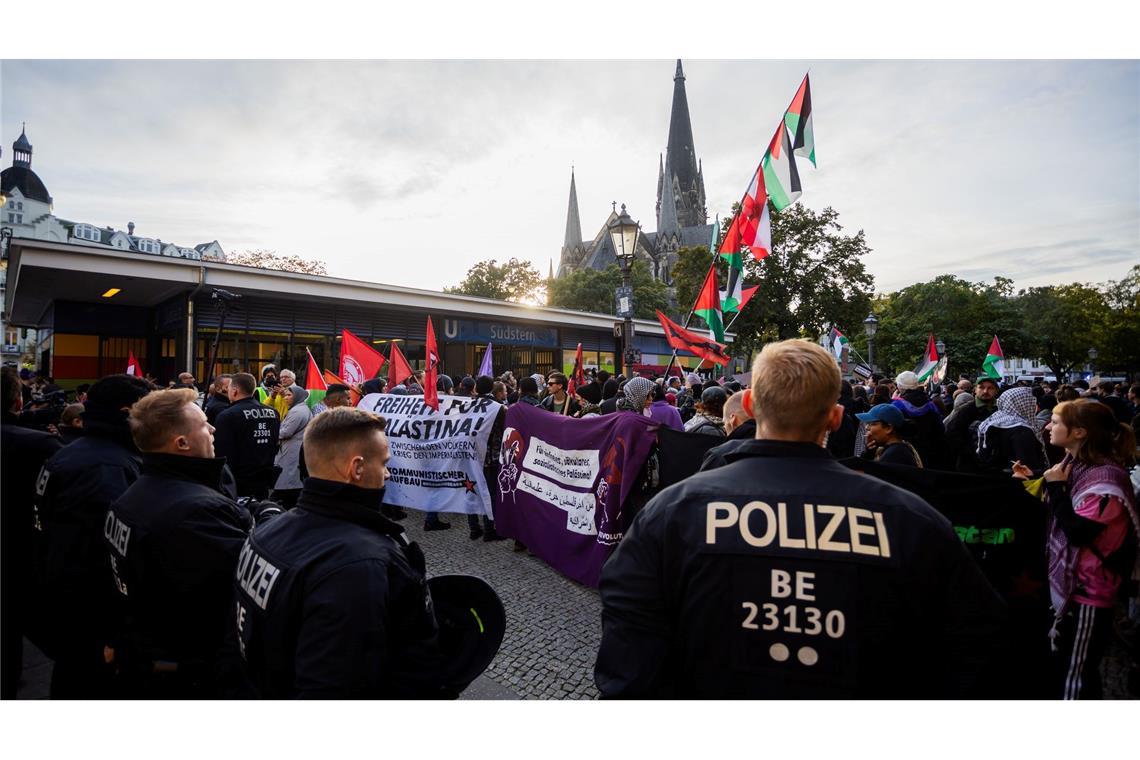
point(784, 574)
point(246, 436)
point(23, 453)
point(331, 600)
point(80, 611)
point(173, 538)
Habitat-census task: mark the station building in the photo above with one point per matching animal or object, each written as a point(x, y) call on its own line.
point(92, 307)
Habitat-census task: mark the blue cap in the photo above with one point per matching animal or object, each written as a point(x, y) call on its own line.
point(887, 413)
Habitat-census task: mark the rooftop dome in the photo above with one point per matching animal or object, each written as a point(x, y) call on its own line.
point(26, 181)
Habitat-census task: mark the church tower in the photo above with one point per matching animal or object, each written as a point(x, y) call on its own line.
point(573, 249)
point(681, 175)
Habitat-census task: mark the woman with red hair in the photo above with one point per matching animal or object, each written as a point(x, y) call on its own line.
point(1092, 537)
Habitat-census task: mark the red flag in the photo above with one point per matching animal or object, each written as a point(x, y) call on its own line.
point(431, 371)
point(314, 381)
point(400, 370)
point(358, 360)
point(578, 374)
point(133, 366)
point(685, 340)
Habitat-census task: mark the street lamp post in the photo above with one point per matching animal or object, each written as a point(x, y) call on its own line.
point(940, 347)
point(870, 327)
point(1092, 360)
point(623, 234)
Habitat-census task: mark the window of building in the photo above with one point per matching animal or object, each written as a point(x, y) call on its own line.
point(20, 206)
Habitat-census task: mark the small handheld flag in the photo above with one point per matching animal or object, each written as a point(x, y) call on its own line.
point(994, 363)
point(133, 366)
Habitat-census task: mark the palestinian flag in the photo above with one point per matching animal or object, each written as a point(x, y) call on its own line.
point(837, 341)
point(686, 340)
point(781, 178)
point(994, 363)
point(708, 306)
point(798, 122)
point(314, 382)
point(928, 362)
point(752, 227)
point(746, 296)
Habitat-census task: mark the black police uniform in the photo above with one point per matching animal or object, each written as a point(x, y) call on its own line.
point(784, 574)
point(216, 403)
point(246, 435)
point(78, 609)
point(24, 452)
point(174, 538)
point(332, 602)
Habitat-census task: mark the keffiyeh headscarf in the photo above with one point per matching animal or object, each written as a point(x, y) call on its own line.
point(1015, 407)
point(634, 394)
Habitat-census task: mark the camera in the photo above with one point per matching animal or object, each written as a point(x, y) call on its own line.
point(225, 295)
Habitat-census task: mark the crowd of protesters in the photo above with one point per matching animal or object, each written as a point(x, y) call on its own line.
point(128, 509)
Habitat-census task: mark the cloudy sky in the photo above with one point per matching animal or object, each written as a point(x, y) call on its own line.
point(408, 172)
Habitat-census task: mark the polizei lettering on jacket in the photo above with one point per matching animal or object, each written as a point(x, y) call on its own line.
point(256, 575)
point(259, 413)
point(823, 527)
point(117, 533)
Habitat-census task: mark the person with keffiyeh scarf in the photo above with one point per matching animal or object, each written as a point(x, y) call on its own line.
point(1012, 434)
point(1092, 537)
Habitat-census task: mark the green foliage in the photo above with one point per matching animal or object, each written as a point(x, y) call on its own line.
point(1119, 344)
point(513, 280)
point(814, 276)
point(1065, 321)
point(592, 290)
point(963, 315)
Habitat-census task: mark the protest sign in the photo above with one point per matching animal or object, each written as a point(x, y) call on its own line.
point(437, 458)
point(564, 482)
point(681, 454)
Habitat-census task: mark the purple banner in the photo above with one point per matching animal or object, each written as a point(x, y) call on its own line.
point(564, 481)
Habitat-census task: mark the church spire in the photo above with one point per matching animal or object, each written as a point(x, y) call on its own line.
point(681, 160)
point(573, 221)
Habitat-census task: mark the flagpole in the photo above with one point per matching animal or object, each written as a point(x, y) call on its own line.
point(759, 167)
point(693, 309)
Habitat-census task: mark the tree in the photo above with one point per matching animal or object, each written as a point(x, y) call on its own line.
point(513, 280)
point(963, 315)
point(1119, 344)
point(271, 260)
point(592, 290)
point(813, 277)
point(1064, 322)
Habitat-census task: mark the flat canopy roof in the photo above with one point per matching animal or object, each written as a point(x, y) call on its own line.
point(41, 272)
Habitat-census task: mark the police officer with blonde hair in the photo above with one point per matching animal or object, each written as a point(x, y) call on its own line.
point(173, 539)
point(783, 574)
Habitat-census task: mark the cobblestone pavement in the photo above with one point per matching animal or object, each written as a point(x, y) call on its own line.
point(553, 623)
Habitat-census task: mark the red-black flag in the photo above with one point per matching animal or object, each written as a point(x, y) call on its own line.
point(686, 340)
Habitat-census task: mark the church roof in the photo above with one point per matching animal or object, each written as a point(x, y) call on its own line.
point(22, 142)
point(26, 181)
point(573, 221)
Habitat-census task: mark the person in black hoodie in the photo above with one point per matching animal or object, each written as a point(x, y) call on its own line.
point(23, 452)
point(173, 539)
point(219, 398)
point(962, 425)
point(81, 612)
point(928, 436)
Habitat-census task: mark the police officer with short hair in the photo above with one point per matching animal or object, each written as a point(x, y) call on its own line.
point(331, 597)
point(246, 435)
point(173, 538)
point(79, 609)
point(784, 574)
